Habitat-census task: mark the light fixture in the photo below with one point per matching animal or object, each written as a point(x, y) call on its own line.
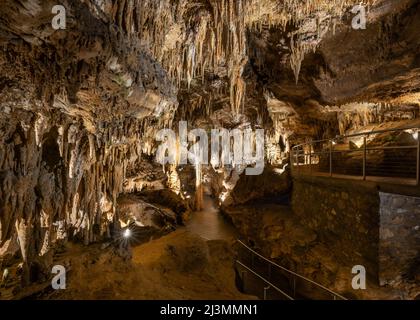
point(127, 233)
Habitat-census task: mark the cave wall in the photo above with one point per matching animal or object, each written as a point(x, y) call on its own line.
point(273, 184)
point(59, 181)
point(344, 215)
point(377, 64)
point(399, 238)
point(78, 108)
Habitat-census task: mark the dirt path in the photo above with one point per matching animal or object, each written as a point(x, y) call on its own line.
point(210, 224)
point(178, 266)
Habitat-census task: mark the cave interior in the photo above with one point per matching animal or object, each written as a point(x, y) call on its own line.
point(147, 146)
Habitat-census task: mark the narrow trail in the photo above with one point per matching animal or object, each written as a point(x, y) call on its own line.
point(210, 224)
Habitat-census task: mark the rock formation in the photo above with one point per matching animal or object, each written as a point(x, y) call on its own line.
point(80, 106)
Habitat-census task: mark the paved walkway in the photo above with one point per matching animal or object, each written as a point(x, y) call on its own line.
point(305, 171)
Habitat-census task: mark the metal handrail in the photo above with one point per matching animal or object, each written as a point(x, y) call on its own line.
point(366, 133)
point(292, 272)
point(265, 280)
point(302, 152)
point(298, 152)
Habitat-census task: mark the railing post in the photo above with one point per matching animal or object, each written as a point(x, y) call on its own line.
point(418, 158)
point(364, 157)
point(265, 292)
point(291, 280)
point(331, 147)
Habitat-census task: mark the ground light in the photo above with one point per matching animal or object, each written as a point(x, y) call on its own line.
point(127, 233)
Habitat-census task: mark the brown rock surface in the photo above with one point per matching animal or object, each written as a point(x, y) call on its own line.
point(80, 107)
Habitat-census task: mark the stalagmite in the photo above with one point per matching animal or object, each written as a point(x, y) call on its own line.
point(198, 187)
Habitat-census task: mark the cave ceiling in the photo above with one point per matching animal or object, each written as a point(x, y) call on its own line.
point(239, 61)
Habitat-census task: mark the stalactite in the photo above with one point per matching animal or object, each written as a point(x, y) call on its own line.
point(296, 57)
point(73, 201)
point(189, 44)
point(52, 194)
point(298, 51)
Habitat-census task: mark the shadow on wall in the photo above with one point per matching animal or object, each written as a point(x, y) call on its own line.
point(399, 236)
point(344, 215)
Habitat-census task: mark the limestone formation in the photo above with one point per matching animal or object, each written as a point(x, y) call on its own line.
point(80, 108)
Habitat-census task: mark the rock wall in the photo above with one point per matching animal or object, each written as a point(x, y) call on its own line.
point(399, 232)
point(270, 184)
point(333, 226)
point(346, 216)
point(59, 180)
point(78, 107)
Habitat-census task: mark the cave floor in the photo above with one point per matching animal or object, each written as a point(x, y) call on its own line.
point(193, 262)
point(210, 224)
point(180, 266)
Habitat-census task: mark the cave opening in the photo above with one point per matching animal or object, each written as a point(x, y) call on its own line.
point(50, 149)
